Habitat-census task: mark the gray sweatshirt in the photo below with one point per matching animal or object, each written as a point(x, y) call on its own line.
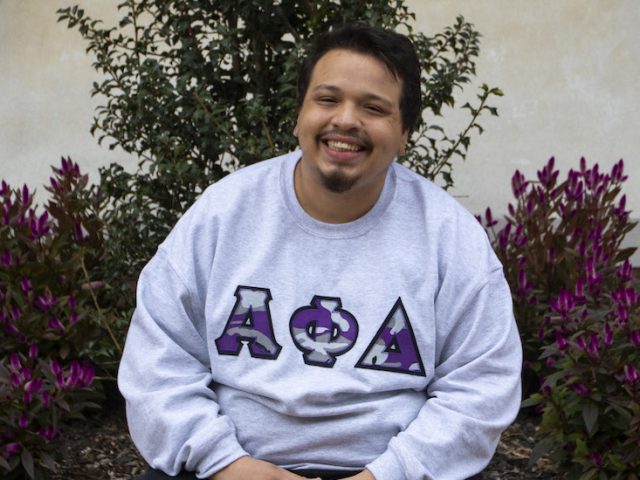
point(388, 342)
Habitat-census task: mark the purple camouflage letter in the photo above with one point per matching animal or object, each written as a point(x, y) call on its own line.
point(250, 321)
point(323, 331)
point(394, 347)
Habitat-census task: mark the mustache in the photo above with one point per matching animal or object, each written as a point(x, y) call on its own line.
point(353, 134)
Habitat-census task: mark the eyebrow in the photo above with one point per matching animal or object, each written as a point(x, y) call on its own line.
point(367, 96)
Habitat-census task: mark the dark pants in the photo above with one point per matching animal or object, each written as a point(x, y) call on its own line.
point(152, 474)
point(158, 475)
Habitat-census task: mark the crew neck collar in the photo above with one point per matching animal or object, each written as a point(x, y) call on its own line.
point(315, 227)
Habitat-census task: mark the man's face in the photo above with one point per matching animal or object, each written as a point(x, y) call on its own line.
point(350, 125)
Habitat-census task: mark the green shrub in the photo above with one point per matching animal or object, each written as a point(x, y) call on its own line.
point(198, 89)
point(578, 314)
point(51, 335)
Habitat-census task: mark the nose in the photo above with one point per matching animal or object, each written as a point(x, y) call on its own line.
point(346, 117)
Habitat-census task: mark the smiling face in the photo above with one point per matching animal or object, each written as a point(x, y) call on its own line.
point(349, 126)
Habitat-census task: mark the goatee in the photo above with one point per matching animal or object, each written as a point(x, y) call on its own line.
point(337, 182)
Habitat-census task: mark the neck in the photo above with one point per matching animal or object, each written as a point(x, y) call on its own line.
point(332, 207)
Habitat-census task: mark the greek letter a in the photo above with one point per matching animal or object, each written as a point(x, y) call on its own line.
point(250, 321)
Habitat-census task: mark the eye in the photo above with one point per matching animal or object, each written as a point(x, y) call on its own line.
point(374, 108)
point(327, 100)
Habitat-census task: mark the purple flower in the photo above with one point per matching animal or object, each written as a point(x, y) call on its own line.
point(72, 302)
point(14, 360)
point(530, 204)
point(563, 304)
point(55, 324)
point(11, 328)
point(87, 375)
point(46, 301)
point(33, 350)
point(33, 386)
point(520, 239)
point(524, 285)
point(592, 177)
point(23, 422)
point(594, 344)
point(625, 272)
point(630, 373)
point(25, 194)
point(580, 388)
point(561, 342)
point(15, 379)
point(74, 373)
point(518, 184)
point(596, 458)
point(623, 315)
point(46, 399)
point(66, 165)
point(49, 432)
point(547, 176)
point(625, 297)
point(40, 226)
point(4, 188)
point(25, 285)
point(634, 336)
point(55, 367)
point(503, 236)
point(619, 211)
point(6, 259)
point(73, 318)
point(574, 187)
point(591, 275)
point(617, 172)
point(11, 449)
point(550, 361)
point(489, 217)
point(78, 232)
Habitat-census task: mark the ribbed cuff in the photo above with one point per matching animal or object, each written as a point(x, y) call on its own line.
point(226, 453)
point(387, 467)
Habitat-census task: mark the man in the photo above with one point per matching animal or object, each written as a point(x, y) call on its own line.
point(327, 313)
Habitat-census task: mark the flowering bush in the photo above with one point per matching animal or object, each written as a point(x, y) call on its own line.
point(578, 313)
point(51, 328)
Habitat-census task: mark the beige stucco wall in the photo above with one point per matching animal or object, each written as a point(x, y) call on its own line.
point(569, 70)
point(45, 79)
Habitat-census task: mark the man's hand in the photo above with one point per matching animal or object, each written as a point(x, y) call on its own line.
point(363, 475)
point(249, 468)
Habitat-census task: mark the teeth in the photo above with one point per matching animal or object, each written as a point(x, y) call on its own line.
point(343, 146)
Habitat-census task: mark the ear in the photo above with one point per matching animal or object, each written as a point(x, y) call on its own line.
point(296, 129)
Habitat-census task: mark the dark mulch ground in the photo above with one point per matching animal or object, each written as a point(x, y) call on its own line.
point(100, 448)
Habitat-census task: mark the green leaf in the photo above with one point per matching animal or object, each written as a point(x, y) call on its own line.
point(590, 414)
point(542, 448)
point(27, 462)
point(531, 402)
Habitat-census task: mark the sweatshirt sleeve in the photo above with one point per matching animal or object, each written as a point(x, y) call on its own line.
point(475, 392)
point(164, 375)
